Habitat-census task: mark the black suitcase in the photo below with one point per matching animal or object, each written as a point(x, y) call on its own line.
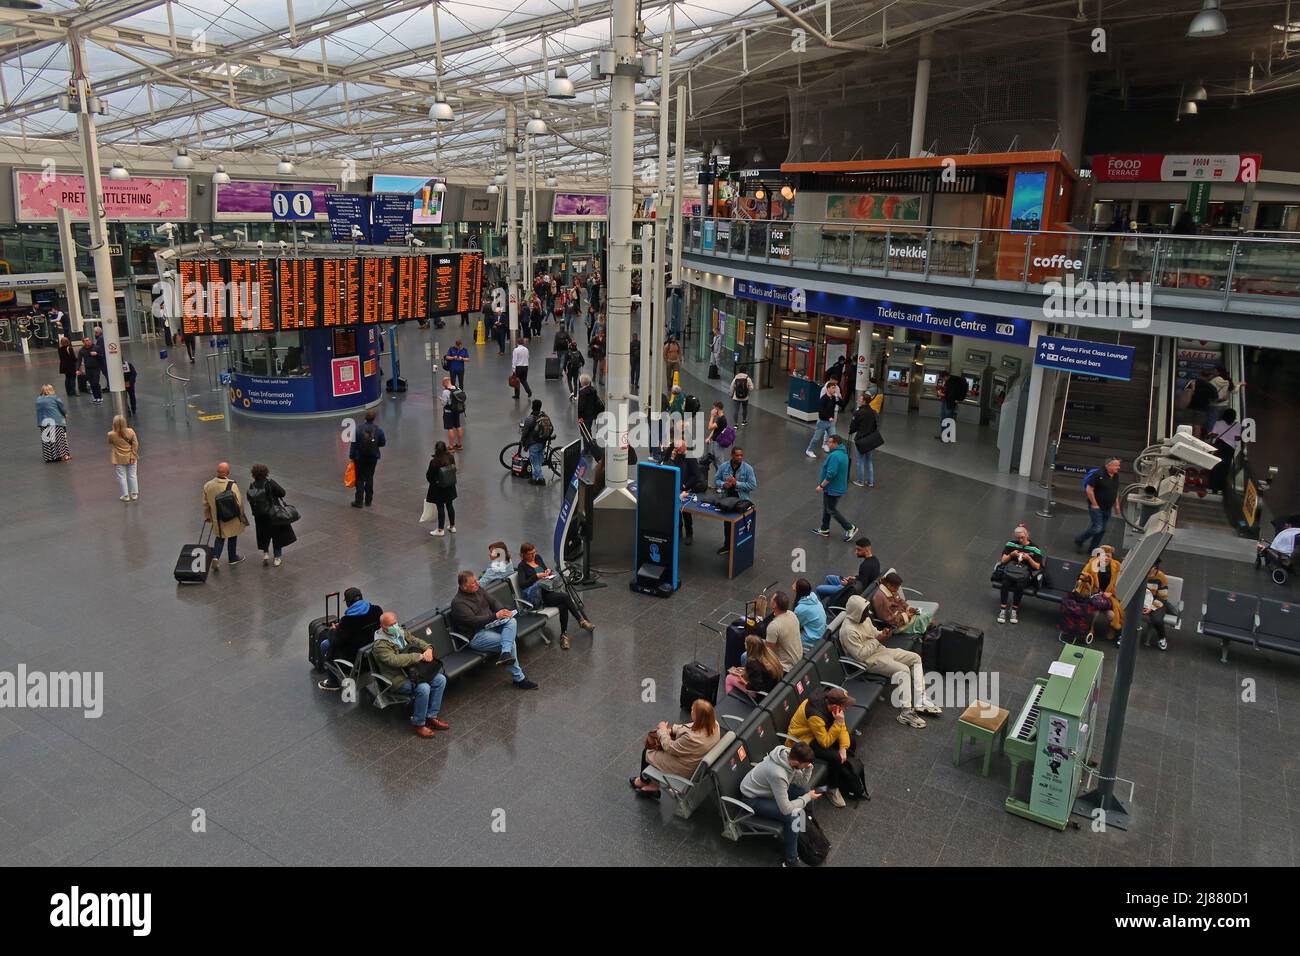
point(699, 681)
point(552, 367)
point(318, 630)
point(195, 559)
point(929, 651)
point(714, 373)
point(736, 633)
point(960, 648)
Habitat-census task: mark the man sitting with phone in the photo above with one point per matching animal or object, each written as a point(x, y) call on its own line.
point(474, 611)
point(409, 663)
point(777, 789)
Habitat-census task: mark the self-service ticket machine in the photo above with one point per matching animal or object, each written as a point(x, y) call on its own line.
point(935, 361)
point(1003, 379)
point(976, 368)
point(901, 381)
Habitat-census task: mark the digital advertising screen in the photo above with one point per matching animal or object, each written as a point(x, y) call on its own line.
point(1027, 201)
point(426, 202)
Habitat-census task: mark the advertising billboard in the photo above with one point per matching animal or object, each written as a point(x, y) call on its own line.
point(247, 200)
point(38, 197)
point(426, 203)
point(575, 206)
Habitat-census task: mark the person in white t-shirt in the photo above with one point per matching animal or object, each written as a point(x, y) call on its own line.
point(519, 359)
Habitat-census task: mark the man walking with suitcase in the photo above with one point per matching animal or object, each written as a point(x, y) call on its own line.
point(223, 505)
point(364, 453)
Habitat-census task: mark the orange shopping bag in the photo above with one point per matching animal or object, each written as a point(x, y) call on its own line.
point(350, 475)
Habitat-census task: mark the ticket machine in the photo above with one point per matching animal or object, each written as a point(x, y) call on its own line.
point(1002, 379)
point(804, 394)
point(937, 359)
point(901, 380)
point(976, 369)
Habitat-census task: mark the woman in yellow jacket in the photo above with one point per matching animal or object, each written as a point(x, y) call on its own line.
point(819, 723)
point(1098, 577)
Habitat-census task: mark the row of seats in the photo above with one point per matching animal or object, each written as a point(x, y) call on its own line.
point(450, 647)
point(1064, 571)
point(1261, 623)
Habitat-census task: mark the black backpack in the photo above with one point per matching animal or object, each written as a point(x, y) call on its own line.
point(226, 503)
point(458, 400)
point(814, 847)
point(742, 389)
point(259, 500)
point(368, 442)
point(543, 429)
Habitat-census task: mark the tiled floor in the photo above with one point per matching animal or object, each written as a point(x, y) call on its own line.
point(210, 705)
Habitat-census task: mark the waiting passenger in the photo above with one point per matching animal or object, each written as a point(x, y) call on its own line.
point(272, 536)
point(777, 789)
point(475, 612)
point(677, 748)
point(542, 587)
point(819, 723)
point(783, 632)
point(865, 644)
point(1020, 564)
point(499, 565)
point(1099, 576)
point(353, 631)
point(1154, 602)
point(868, 571)
point(410, 665)
point(762, 670)
point(811, 614)
point(441, 491)
point(892, 607)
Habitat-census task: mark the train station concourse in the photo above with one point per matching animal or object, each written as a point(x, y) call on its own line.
point(651, 434)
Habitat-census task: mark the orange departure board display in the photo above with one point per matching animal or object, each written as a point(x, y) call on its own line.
point(420, 289)
point(388, 289)
point(469, 287)
point(251, 295)
point(353, 289)
point(372, 292)
point(442, 286)
point(405, 283)
point(310, 288)
point(333, 306)
point(289, 272)
point(190, 294)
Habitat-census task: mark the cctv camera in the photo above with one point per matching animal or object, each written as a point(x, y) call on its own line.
point(241, 234)
point(166, 228)
point(283, 245)
point(357, 233)
point(416, 242)
point(260, 244)
point(307, 235)
point(1191, 450)
point(217, 237)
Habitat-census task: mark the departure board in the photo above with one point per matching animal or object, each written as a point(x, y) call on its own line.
point(191, 302)
point(353, 291)
point(420, 289)
point(218, 311)
point(289, 272)
point(469, 289)
point(371, 290)
point(405, 279)
point(442, 286)
point(333, 306)
point(388, 289)
point(310, 290)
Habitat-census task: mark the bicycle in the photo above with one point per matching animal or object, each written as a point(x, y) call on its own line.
point(552, 456)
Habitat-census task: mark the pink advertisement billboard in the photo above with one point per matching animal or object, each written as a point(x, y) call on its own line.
point(248, 200)
point(575, 206)
point(38, 196)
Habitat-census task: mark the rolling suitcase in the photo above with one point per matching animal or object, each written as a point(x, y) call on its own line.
point(735, 637)
point(699, 681)
point(318, 629)
point(960, 648)
point(552, 367)
point(195, 559)
point(929, 650)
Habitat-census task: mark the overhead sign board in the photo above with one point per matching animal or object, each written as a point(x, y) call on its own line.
point(1101, 359)
point(1171, 168)
point(292, 205)
point(38, 197)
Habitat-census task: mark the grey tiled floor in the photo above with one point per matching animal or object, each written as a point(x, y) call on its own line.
point(210, 703)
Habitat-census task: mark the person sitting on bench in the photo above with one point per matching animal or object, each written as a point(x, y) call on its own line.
point(862, 641)
point(762, 670)
point(868, 571)
point(1021, 560)
point(1099, 576)
point(353, 631)
point(499, 567)
point(398, 657)
point(490, 627)
point(777, 789)
point(811, 614)
point(782, 634)
point(819, 723)
point(893, 608)
point(677, 748)
point(541, 587)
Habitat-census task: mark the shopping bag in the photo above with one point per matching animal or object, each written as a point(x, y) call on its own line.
point(350, 475)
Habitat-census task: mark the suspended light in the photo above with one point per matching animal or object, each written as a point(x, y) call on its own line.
point(536, 125)
point(561, 87)
point(284, 167)
point(1187, 109)
point(439, 186)
point(182, 159)
point(760, 194)
point(551, 182)
point(118, 172)
point(717, 149)
point(1198, 94)
point(500, 178)
point(758, 155)
point(787, 192)
point(492, 189)
point(221, 177)
point(1209, 22)
point(808, 139)
point(647, 107)
point(440, 111)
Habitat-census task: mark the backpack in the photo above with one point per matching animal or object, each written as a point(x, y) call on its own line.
point(1087, 478)
point(458, 401)
point(691, 406)
point(368, 442)
point(445, 476)
point(226, 503)
point(259, 500)
point(741, 388)
point(543, 430)
point(814, 847)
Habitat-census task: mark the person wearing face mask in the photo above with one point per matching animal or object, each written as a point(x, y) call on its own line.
point(409, 663)
point(1098, 577)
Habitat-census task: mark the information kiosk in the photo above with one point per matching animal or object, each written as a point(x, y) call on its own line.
point(1002, 379)
point(901, 383)
point(935, 361)
point(976, 370)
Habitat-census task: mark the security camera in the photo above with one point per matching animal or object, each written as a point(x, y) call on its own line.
point(415, 242)
point(165, 228)
point(1191, 450)
point(307, 235)
point(357, 233)
point(284, 246)
point(217, 237)
point(260, 245)
point(242, 234)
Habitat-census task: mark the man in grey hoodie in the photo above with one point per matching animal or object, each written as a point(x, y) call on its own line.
point(777, 789)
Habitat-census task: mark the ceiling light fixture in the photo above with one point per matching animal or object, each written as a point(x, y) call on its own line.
point(561, 87)
point(284, 167)
point(787, 192)
point(439, 186)
point(551, 182)
point(1209, 23)
point(492, 189)
point(536, 125)
point(118, 172)
point(1188, 108)
point(499, 179)
point(758, 155)
point(441, 111)
point(182, 159)
point(221, 177)
point(647, 107)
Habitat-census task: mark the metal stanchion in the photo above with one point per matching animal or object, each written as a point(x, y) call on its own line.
point(1049, 482)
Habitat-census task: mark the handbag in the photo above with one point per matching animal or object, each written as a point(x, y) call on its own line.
point(424, 672)
point(283, 513)
point(429, 511)
point(513, 380)
point(869, 442)
point(726, 437)
point(1015, 572)
point(350, 475)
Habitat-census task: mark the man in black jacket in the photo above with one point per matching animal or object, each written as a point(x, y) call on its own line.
point(827, 407)
point(589, 403)
point(862, 430)
point(353, 631)
point(89, 363)
point(491, 628)
point(365, 454)
point(690, 481)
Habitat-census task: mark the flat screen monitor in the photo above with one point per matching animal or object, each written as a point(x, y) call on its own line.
point(931, 378)
point(894, 376)
point(972, 385)
point(345, 343)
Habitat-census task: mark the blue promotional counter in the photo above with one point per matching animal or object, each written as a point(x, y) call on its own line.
point(331, 371)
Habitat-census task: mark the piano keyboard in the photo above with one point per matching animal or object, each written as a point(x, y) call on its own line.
point(1027, 720)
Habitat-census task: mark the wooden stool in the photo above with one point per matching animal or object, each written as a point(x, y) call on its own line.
point(981, 722)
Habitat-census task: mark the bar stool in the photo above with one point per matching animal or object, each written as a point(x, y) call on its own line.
point(984, 724)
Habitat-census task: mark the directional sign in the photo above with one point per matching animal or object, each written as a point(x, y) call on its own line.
point(1092, 358)
point(292, 204)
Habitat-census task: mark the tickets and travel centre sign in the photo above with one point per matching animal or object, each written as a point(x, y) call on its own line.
point(965, 324)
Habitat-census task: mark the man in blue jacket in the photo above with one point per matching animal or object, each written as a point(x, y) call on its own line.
point(834, 482)
point(809, 612)
point(735, 477)
point(365, 453)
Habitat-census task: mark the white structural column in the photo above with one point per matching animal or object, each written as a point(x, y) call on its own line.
point(98, 226)
point(618, 310)
point(663, 209)
point(1029, 426)
point(512, 221)
point(921, 97)
point(761, 315)
point(863, 378)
